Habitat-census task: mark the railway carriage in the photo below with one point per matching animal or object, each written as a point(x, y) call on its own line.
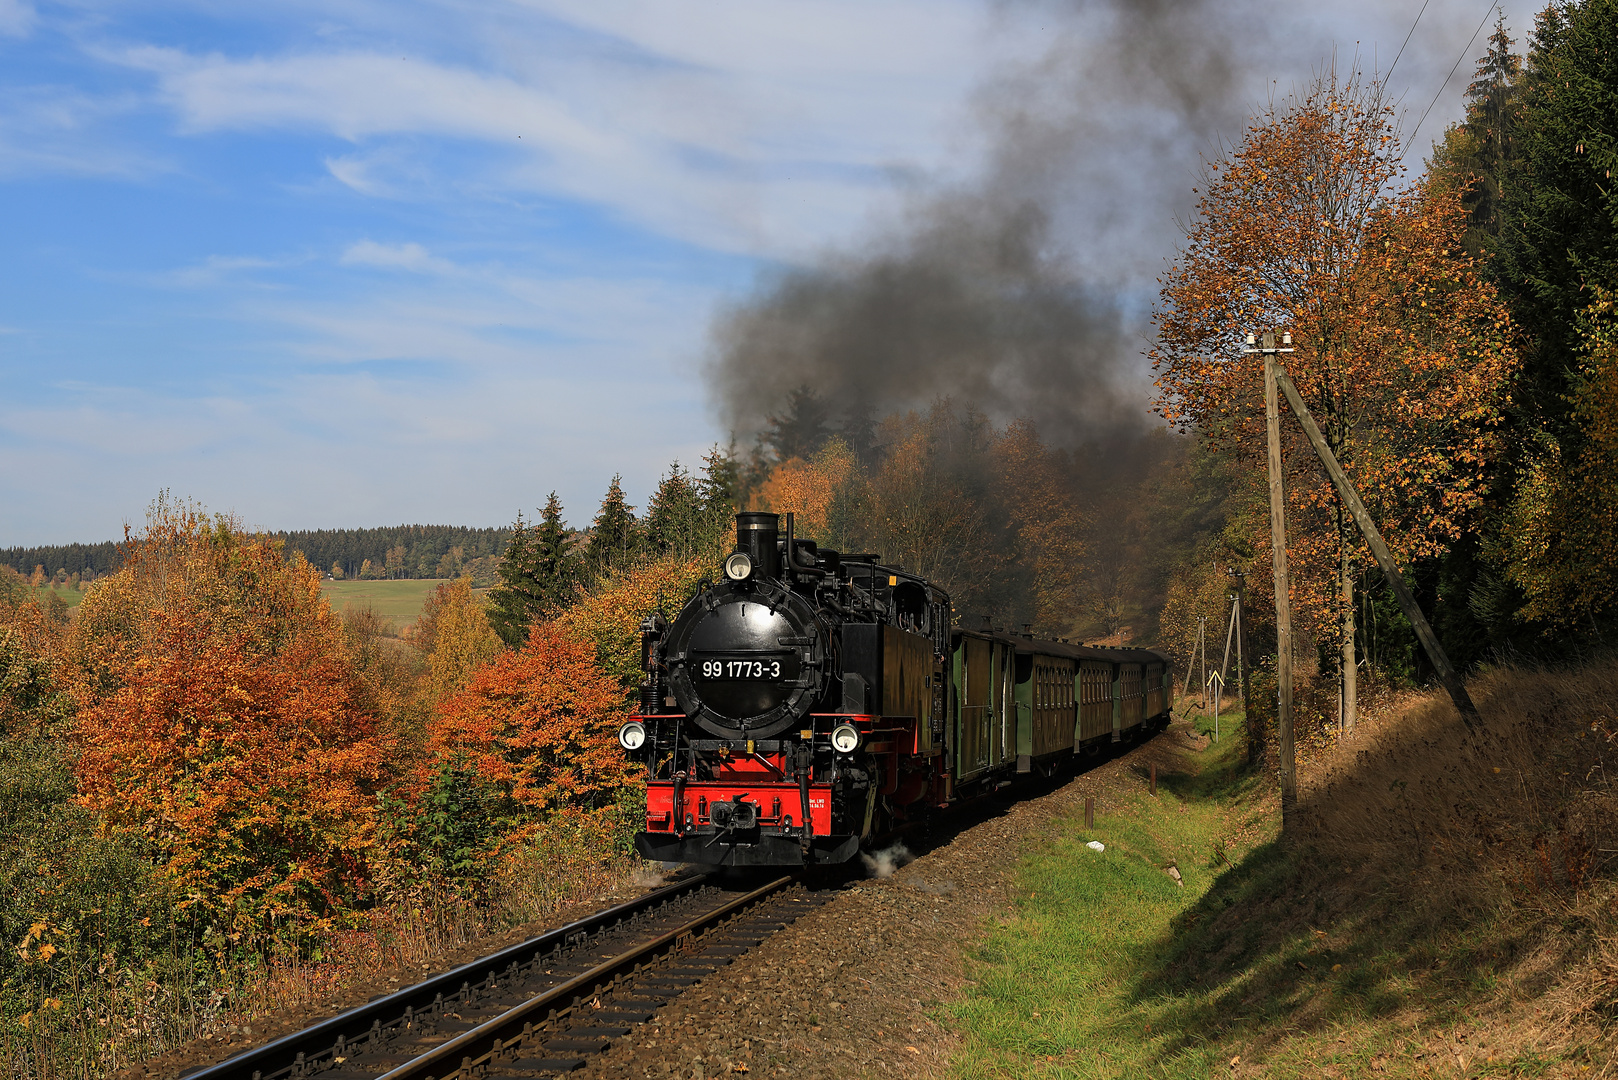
point(812, 700)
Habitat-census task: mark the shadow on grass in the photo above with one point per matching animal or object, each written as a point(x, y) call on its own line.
point(1290, 939)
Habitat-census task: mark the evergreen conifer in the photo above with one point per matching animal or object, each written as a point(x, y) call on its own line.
point(801, 428)
point(1477, 152)
point(679, 519)
point(1560, 206)
point(615, 535)
point(537, 575)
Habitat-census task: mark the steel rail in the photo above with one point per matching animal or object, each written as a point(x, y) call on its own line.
point(472, 1048)
point(292, 1055)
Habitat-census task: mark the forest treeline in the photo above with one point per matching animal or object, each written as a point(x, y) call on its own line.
point(400, 551)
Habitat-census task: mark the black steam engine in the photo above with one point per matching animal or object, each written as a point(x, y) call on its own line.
point(811, 699)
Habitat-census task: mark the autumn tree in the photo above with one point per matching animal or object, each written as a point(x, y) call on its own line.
point(220, 718)
point(823, 492)
point(541, 724)
point(1049, 523)
point(1401, 351)
point(456, 638)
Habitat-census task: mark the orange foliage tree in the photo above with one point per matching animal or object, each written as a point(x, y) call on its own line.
point(1402, 350)
point(821, 490)
point(455, 636)
point(221, 718)
point(541, 724)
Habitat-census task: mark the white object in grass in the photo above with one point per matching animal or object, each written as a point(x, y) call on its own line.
point(1096, 845)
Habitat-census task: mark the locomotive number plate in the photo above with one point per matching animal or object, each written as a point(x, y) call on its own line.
point(732, 668)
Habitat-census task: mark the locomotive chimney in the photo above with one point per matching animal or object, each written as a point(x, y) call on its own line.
point(758, 535)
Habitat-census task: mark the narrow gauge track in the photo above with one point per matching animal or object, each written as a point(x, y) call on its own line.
point(542, 1006)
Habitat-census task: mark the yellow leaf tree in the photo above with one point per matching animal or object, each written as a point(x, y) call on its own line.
point(1402, 350)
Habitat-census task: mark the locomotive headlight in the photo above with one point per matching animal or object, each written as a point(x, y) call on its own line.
point(632, 736)
point(845, 739)
point(739, 567)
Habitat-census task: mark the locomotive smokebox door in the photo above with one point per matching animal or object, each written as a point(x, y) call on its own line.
point(747, 659)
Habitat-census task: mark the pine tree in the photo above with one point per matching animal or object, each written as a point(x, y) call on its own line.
point(537, 575)
point(801, 429)
point(721, 483)
point(859, 432)
point(1477, 152)
point(676, 516)
point(1560, 235)
point(615, 535)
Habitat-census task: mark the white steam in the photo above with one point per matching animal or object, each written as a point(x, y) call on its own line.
point(883, 863)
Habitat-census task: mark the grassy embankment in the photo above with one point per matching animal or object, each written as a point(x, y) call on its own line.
point(1447, 908)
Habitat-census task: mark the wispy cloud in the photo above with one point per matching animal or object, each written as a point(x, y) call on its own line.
point(17, 18)
point(754, 128)
point(52, 130)
point(217, 269)
point(411, 256)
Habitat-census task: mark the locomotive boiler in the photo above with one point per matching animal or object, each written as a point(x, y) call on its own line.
point(810, 700)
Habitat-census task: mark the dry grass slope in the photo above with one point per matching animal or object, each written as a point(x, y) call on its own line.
point(1448, 906)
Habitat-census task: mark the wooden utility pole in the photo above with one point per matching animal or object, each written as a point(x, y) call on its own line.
point(1283, 596)
point(1255, 732)
point(1373, 538)
point(1230, 635)
point(1202, 653)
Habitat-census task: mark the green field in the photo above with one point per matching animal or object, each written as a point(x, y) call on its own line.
point(70, 597)
point(397, 601)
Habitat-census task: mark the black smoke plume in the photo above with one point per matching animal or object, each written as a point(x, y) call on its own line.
point(1023, 294)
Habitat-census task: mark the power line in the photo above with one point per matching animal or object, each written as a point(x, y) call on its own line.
point(1451, 75)
point(1401, 51)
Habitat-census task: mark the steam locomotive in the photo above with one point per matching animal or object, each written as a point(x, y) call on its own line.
point(812, 701)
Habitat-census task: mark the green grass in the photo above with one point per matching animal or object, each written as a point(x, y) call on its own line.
point(1058, 984)
point(397, 601)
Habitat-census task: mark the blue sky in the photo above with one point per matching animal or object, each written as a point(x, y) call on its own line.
point(357, 263)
